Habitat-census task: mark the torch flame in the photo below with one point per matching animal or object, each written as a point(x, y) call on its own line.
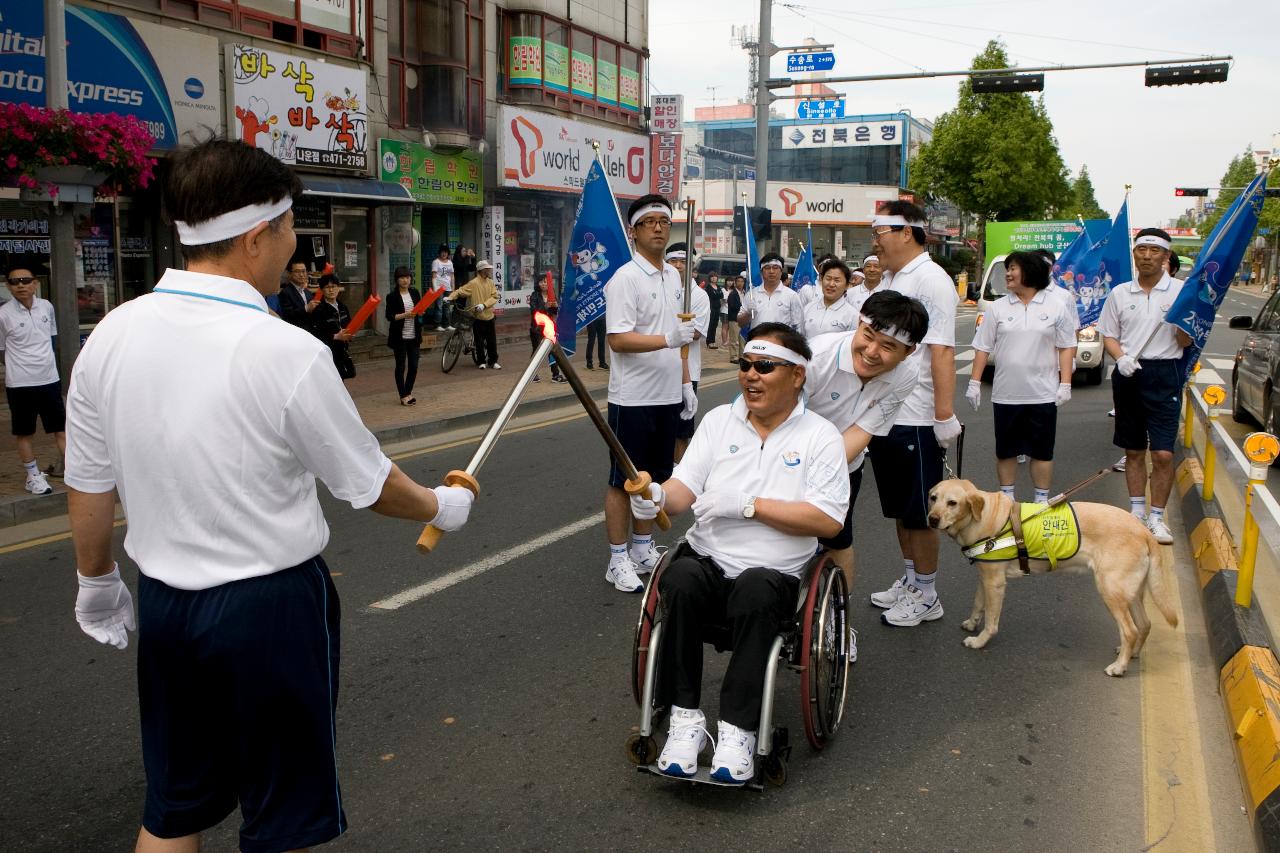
point(547, 325)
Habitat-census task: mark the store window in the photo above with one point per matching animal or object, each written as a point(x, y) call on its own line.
point(329, 26)
point(436, 64)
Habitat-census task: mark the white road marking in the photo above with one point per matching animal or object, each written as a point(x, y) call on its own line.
point(1208, 376)
point(1222, 363)
point(966, 355)
point(412, 594)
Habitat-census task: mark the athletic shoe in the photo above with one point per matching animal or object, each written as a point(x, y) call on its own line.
point(1111, 413)
point(648, 561)
point(1160, 530)
point(448, 328)
point(853, 644)
point(604, 367)
point(623, 577)
point(495, 366)
point(559, 379)
point(481, 366)
point(911, 609)
point(686, 738)
point(56, 469)
point(733, 761)
point(537, 378)
point(1023, 459)
point(888, 598)
point(1118, 465)
point(38, 485)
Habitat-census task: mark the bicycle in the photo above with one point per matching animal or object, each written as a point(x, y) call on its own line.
point(461, 339)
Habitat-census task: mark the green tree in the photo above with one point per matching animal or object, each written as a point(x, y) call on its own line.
point(994, 155)
point(1240, 171)
point(1083, 203)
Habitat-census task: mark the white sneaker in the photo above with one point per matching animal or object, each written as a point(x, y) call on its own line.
point(1160, 530)
point(852, 648)
point(1023, 459)
point(448, 328)
point(734, 759)
point(686, 738)
point(481, 366)
point(496, 366)
point(888, 598)
point(1119, 465)
point(38, 485)
point(911, 609)
point(623, 577)
point(646, 561)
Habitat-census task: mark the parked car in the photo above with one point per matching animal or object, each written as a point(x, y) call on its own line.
point(1256, 373)
point(1090, 356)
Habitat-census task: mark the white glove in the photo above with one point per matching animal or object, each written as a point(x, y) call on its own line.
point(455, 506)
point(690, 402)
point(974, 394)
point(946, 430)
point(1127, 365)
point(645, 508)
point(104, 608)
point(1064, 392)
point(681, 334)
point(723, 504)
point(477, 309)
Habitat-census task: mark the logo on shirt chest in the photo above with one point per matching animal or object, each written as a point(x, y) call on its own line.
point(791, 459)
point(1044, 318)
point(835, 395)
point(733, 448)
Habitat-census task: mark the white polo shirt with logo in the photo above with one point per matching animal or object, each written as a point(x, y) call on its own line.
point(924, 280)
point(26, 338)
point(823, 319)
point(781, 306)
point(1130, 314)
point(801, 460)
point(643, 298)
point(837, 393)
point(212, 420)
point(1025, 339)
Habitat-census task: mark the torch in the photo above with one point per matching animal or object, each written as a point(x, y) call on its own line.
point(467, 478)
point(637, 482)
point(687, 314)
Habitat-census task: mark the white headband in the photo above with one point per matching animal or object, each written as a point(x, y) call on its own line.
point(650, 208)
point(761, 347)
point(870, 258)
point(777, 264)
point(892, 331)
point(1152, 240)
point(677, 255)
point(233, 223)
point(893, 220)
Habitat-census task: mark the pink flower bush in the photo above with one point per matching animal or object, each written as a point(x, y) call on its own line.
point(111, 144)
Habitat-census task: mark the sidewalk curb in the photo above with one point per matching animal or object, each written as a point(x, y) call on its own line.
point(1244, 652)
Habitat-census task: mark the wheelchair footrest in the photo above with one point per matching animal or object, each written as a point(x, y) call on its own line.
point(703, 777)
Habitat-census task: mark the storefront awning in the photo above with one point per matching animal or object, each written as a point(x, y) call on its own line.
point(355, 189)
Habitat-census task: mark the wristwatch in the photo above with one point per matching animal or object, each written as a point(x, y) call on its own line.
point(749, 511)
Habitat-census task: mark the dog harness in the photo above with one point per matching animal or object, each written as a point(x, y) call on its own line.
point(1033, 531)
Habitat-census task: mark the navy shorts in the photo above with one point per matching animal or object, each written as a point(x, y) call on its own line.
point(844, 538)
point(1026, 429)
point(908, 463)
point(1147, 405)
point(648, 434)
point(684, 429)
point(237, 687)
point(42, 400)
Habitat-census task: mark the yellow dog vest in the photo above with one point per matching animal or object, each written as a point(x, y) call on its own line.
point(1050, 534)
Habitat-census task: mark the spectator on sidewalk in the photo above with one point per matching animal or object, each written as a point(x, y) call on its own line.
point(442, 276)
point(542, 297)
point(31, 385)
point(716, 297)
point(733, 305)
point(481, 296)
point(297, 297)
point(328, 324)
point(405, 335)
point(596, 342)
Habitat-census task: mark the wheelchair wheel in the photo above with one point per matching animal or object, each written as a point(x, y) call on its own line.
point(823, 661)
point(642, 750)
point(774, 771)
point(451, 350)
point(644, 627)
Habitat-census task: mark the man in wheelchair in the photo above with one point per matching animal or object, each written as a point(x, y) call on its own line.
point(765, 478)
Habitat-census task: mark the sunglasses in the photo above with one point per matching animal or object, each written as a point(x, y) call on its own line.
point(21, 280)
point(764, 366)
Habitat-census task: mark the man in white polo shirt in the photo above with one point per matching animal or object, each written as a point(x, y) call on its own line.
point(859, 380)
point(211, 421)
point(1146, 384)
point(908, 461)
point(649, 387)
point(771, 302)
point(700, 307)
point(764, 477)
point(871, 278)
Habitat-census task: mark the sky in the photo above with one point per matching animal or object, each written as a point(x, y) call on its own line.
point(1152, 138)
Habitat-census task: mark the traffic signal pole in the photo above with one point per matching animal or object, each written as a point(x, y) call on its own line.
point(764, 53)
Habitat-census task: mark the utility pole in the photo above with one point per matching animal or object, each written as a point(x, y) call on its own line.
point(62, 220)
point(764, 53)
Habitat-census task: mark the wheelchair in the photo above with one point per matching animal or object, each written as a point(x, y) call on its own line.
point(812, 644)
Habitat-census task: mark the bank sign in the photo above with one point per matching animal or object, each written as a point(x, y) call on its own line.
point(431, 178)
point(165, 77)
point(545, 152)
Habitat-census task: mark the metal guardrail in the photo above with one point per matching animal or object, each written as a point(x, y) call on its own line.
point(1261, 510)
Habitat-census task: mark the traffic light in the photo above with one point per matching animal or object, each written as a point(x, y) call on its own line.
point(983, 83)
point(1186, 75)
point(1191, 191)
point(761, 222)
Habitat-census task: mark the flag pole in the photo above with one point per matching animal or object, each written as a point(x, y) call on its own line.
point(626, 232)
point(689, 207)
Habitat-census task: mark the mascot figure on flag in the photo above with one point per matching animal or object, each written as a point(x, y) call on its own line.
point(589, 260)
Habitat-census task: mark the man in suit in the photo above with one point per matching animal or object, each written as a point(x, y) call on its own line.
point(297, 298)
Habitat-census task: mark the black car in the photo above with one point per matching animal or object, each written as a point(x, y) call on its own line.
point(1256, 375)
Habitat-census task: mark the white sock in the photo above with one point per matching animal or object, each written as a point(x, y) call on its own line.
point(641, 544)
point(924, 583)
point(1042, 496)
point(1008, 490)
point(617, 554)
point(1156, 514)
point(32, 468)
point(909, 574)
point(1138, 506)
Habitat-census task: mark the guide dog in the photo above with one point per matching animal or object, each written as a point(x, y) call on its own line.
point(1122, 554)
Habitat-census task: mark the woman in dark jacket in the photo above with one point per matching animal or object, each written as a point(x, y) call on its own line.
point(328, 319)
point(405, 335)
point(464, 265)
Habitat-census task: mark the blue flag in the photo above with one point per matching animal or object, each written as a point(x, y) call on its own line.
point(806, 273)
point(598, 248)
point(1207, 283)
point(754, 278)
point(1090, 270)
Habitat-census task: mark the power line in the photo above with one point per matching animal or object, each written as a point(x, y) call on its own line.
point(906, 62)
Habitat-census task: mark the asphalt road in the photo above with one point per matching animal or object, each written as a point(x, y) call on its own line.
point(490, 713)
